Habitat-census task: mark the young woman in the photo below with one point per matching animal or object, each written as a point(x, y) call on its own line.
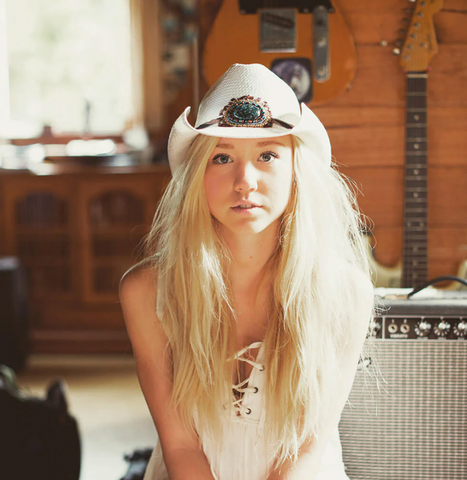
point(249, 314)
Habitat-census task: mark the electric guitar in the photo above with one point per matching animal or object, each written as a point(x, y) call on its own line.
point(418, 49)
point(306, 43)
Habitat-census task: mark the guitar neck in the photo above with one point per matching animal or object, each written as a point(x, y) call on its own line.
point(415, 260)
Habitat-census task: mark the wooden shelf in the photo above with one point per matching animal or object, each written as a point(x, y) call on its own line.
point(77, 266)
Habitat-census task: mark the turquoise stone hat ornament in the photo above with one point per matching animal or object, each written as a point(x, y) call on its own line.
point(246, 111)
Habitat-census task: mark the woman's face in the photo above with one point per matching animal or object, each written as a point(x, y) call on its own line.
point(249, 171)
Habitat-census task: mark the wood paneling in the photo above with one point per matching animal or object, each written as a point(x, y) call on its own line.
point(447, 207)
point(375, 136)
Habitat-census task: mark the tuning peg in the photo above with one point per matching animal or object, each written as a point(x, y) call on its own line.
point(412, 1)
point(383, 43)
point(398, 42)
point(409, 10)
point(396, 51)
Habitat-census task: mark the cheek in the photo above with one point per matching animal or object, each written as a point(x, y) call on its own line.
point(280, 188)
point(213, 188)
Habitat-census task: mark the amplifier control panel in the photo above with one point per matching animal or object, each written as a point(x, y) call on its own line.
point(421, 328)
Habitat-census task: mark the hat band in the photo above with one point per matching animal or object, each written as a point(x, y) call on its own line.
point(272, 122)
point(246, 111)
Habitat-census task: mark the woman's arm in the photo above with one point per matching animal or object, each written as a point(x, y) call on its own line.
point(311, 454)
point(182, 454)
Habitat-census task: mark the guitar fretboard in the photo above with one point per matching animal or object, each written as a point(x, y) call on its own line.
point(415, 260)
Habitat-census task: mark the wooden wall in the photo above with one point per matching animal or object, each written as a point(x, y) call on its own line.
point(366, 126)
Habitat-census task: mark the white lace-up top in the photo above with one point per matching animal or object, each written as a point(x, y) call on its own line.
point(243, 405)
point(245, 455)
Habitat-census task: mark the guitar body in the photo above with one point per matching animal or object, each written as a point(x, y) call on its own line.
point(234, 38)
point(387, 277)
point(391, 277)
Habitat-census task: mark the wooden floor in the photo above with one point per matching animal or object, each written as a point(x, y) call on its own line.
point(105, 398)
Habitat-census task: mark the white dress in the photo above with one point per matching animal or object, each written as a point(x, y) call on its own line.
point(245, 455)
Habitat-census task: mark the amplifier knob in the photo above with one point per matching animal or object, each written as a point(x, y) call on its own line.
point(461, 329)
point(392, 327)
point(442, 329)
point(422, 329)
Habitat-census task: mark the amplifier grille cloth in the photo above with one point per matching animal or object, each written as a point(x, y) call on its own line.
point(412, 423)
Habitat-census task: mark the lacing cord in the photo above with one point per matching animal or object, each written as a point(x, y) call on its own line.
point(238, 404)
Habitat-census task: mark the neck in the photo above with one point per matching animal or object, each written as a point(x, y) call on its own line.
point(251, 255)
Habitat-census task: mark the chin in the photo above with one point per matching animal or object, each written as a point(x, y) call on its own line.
point(247, 227)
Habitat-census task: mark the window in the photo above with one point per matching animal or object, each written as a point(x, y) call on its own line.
point(68, 65)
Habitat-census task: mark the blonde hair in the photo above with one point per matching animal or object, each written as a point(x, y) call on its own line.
point(316, 291)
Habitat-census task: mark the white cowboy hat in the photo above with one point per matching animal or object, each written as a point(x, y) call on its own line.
point(249, 101)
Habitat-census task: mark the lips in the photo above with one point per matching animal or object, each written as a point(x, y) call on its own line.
point(244, 204)
point(246, 210)
point(245, 207)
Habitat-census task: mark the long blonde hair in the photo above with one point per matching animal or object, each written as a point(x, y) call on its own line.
point(315, 288)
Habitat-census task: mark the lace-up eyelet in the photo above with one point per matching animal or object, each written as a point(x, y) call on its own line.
point(248, 411)
point(256, 390)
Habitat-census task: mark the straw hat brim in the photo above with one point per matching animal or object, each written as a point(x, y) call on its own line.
point(309, 129)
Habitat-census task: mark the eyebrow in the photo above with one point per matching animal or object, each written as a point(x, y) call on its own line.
point(259, 144)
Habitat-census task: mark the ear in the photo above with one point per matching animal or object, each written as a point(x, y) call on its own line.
point(56, 396)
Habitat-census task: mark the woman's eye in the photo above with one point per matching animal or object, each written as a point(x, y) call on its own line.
point(221, 159)
point(268, 156)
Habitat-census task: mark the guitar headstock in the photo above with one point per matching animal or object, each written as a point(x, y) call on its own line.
point(419, 45)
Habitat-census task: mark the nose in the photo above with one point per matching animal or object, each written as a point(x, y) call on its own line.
point(246, 179)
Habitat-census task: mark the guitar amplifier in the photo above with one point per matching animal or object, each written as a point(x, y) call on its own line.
point(406, 418)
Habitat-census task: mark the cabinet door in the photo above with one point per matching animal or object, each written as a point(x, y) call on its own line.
point(41, 232)
point(116, 214)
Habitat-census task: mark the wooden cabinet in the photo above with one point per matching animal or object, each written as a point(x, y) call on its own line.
point(76, 233)
point(114, 216)
point(40, 231)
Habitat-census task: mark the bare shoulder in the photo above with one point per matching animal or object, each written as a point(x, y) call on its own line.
point(138, 301)
point(140, 281)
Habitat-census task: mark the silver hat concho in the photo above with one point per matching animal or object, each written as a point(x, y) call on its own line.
point(246, 111)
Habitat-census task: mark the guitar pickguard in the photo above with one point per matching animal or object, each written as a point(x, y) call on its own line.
point(277, 31)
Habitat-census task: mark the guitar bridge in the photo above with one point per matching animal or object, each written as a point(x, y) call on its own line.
point(278, 30)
